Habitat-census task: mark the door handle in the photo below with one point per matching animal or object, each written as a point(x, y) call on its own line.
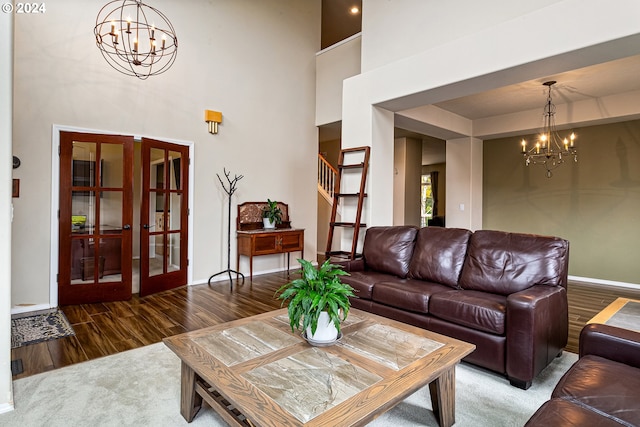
point(147, 226)
point(126, 227)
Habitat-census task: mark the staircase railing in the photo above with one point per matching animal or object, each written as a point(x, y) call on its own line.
point(326, 178)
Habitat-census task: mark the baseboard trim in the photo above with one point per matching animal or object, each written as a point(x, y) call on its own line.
point(588, 281)
point(225, 277)
point(18, 309)
point(6, 407)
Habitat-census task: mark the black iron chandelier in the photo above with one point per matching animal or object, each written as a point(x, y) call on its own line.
point(550, 150)
point(135, 39)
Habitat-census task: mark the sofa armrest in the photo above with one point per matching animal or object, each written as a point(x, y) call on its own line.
point(610, 342)
point(351, 265)
point(537, 330)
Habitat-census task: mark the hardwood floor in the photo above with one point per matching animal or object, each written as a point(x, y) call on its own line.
point(108, 328)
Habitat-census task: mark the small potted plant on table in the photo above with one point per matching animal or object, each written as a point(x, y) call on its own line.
point(319, 299)
point(271, 214)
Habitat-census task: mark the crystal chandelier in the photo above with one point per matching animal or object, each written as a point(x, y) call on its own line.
point(135, 39)
point(550, 150)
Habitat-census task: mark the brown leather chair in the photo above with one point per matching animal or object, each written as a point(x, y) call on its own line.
point(602, 388)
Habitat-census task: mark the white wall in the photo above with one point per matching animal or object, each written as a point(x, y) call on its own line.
point(464, 183)
point(433, 151)
point(413, 177)
point(333, 65)
point(253, 61)
point(399, 184)
point(407, 181)
point(400, 28)
point(6, 116)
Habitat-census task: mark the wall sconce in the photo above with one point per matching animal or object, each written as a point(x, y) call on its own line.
point(213, 118)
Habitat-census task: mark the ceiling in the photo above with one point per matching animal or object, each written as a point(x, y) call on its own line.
point(596, 81)
point(338, 22)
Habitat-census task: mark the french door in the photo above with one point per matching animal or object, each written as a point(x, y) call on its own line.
point(163, 216)
point(95, 217)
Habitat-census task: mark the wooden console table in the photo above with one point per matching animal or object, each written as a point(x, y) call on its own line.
point(254, 240)
point(267, 242)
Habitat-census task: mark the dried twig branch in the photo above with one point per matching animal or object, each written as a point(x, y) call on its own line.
point(233, 183)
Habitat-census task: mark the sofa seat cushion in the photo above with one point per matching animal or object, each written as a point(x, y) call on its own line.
point(561, 412)
point(406, 294)
point(439, 255)
point(362, 281)
point(389, 249)
point(476, 310)
point(604, 385)
point(504, 263)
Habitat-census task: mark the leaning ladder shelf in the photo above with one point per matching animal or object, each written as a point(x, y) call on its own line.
point(359, 196)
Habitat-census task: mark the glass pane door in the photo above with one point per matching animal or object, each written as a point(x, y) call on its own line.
point(163, 231)
point(95, 218)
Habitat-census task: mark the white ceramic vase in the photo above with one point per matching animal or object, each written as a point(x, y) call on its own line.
point(326, 331)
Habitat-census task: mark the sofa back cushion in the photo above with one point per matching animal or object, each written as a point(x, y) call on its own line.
point(389, 249)
point(439, 255)
point(503, 263)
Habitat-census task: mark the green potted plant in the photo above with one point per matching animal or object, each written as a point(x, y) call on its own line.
point(319, 299)
point(271, 214)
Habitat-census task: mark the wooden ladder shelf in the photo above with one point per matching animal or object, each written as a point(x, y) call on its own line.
point(362, 168)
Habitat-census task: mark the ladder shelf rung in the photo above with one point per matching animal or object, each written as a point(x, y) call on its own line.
point(354, 166)
point(349, 195)
point(341, 255)
point(347, 224)
point(354, 149)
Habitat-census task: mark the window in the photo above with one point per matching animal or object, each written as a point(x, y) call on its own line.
point(426, 200)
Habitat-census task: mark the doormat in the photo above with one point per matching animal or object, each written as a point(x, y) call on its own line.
point(38, 328)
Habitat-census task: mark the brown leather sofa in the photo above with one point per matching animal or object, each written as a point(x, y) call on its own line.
point(602, 388)
point(504, 292)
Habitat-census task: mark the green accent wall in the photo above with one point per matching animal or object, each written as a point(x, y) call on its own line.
point(595, 203)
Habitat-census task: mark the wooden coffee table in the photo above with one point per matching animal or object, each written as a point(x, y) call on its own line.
point(622, 313)
point(255, 372)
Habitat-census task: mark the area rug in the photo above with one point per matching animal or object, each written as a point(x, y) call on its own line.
point(38, 328)
point(142, 388)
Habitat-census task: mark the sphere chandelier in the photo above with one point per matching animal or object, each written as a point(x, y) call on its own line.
point(135, 39)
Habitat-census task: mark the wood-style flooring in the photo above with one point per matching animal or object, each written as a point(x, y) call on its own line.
point(108, 328)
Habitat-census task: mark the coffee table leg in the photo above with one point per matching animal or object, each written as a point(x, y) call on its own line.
point(443, 397)
point(190, 401)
